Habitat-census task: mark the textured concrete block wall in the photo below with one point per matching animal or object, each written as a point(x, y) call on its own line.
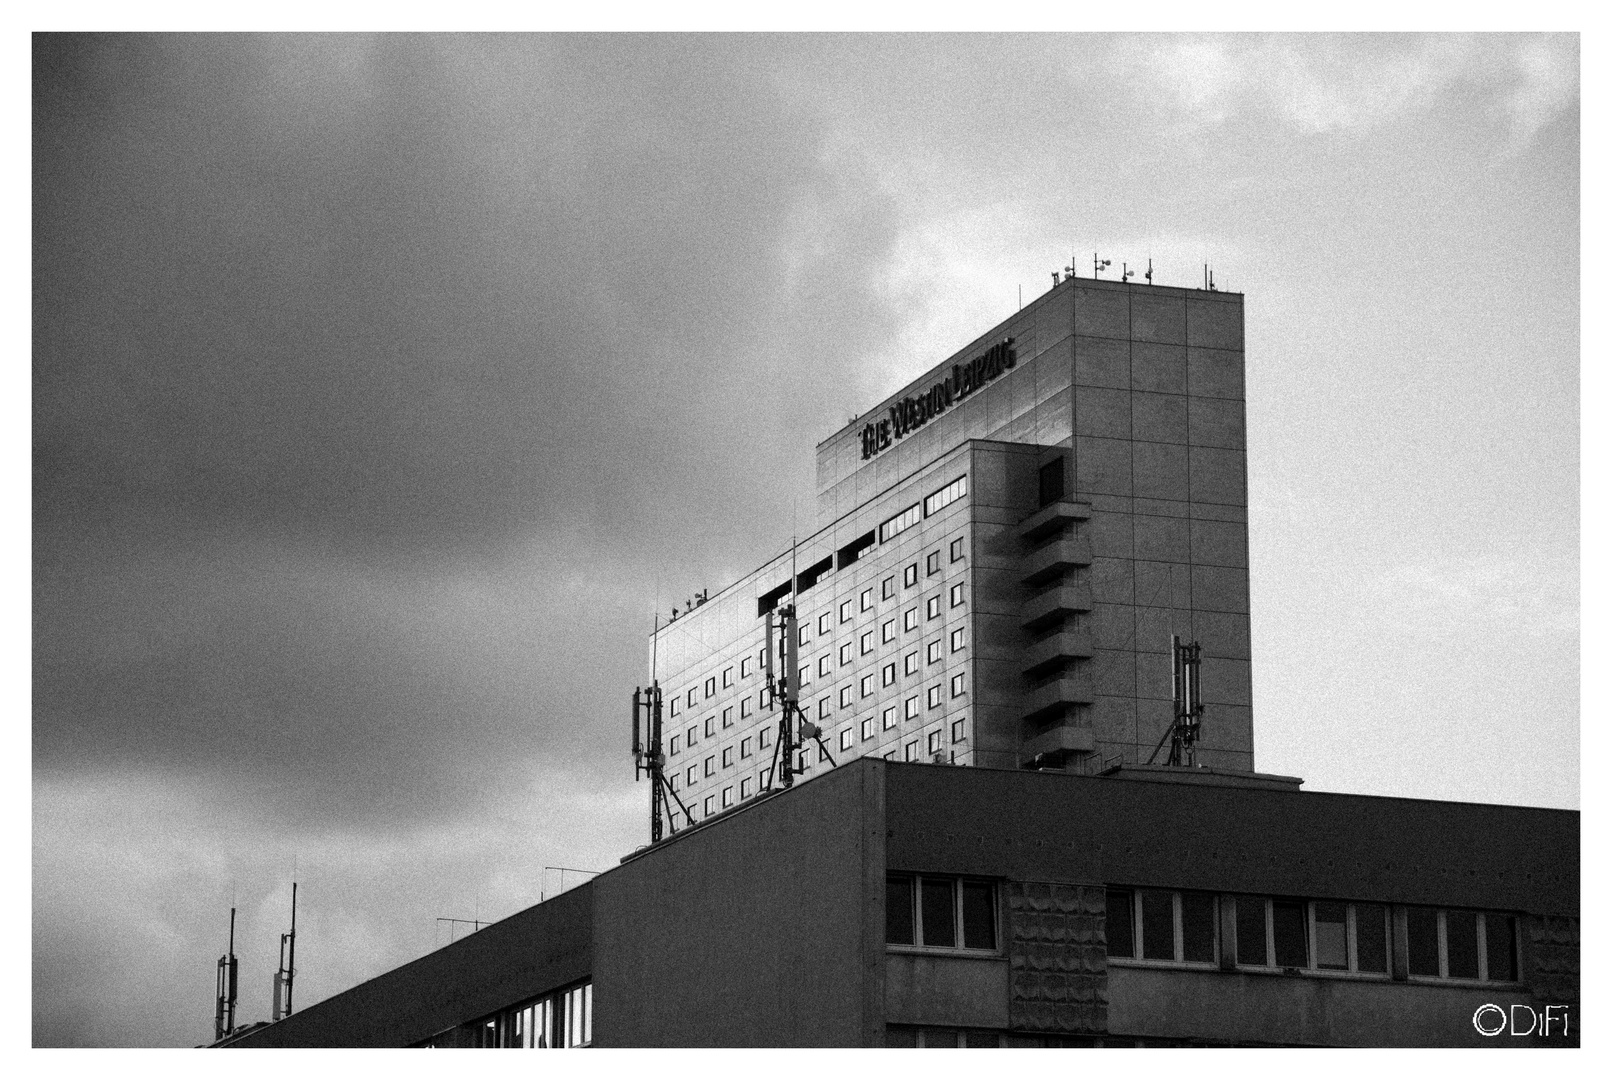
point(1058, 957)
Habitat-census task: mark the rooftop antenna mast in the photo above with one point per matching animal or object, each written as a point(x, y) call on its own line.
point(288, 964)
point(783, 691)
point(649, 759)
point(229, 970)
point(1097, 265)
point(1187, 686)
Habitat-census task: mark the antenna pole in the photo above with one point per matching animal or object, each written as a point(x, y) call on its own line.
point(228, 982)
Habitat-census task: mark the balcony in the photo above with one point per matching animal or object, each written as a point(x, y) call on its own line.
point(1058, 696)
point(1055, 560)
point(1066, 646)
point(1057, 745)
point(1055, 605)
point(1052, 517)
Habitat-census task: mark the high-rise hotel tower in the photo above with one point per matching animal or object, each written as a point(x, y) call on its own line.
point(1005, 548)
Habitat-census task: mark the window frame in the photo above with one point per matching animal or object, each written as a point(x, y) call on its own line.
point(957, 885)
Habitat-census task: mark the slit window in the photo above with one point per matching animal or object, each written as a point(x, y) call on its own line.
point(899, 523)
point(946, 496)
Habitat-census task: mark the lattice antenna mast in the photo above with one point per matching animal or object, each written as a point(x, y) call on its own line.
point(229, 971)
point(783, 691)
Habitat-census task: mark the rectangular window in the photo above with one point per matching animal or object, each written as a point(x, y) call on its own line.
point(887, 588)
point(823, 623)
point(764, 697)
point(744, 707)
point(946, 496)
point(957, 549)
point(803, 634)
point(744, 668)
point(710, 726)
point(846, 653)
point(910, 751)
point(1120, 924)
point(909, 576)
point(744, 788)
point(899, 925)
point(933, 607)
point(710, 805)
point(912, 707)
point(693, 776)
point(909, 663)
point(957, 594)
point(674, 746)
point(1331, 923)
point(867, 729)
point(710, 765)
point(889, 717)
point(959, 731)
point(764, 739)
point(866, 643)
point(935, 738)
point(1198, 927)
point(1158, 924)
point(576, 1014)
point(866, 685)
point(675, 779)
point(710, 687)
point(959, 684)
point(727, 796)
point(888, 674)
point(847, 738)
point(979, 915)
point(909, 619)
point(727, 756)
point(932, 652)
point(1251, 944)
point(1371, 938)
point(727, 716)
point(935, 696)
point(727, 676)
point(957, 640)
point(691, 692)
point(805, 674)
point(932, 563)
point(744, 748)
point(937, 915)
point(1461, 944)
point(693, 735)
point(823, 663)
point(845, 611)
point(1421, 937)
point(887, 630)
point(866, 599)
point(1289, 933)
point(1500, 948)
point(675, 703)
point(900, 523)
point(822, 707)
point(846, 694)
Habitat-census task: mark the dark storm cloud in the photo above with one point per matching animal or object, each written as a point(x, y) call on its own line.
point(321, 317)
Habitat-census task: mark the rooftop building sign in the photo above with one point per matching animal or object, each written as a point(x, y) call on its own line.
point(911, 413)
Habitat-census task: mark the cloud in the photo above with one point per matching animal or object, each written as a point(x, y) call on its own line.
point(1339, 84)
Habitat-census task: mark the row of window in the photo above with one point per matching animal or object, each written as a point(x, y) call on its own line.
point(561, 1020)
point(1319, 935)
point(939, 912)
point(933, 503)
point(934, 653)
point(748, 665)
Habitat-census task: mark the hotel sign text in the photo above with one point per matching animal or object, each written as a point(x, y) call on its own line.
point(911, 413)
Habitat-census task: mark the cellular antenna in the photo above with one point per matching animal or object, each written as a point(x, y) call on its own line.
point(1097, 265)
point(1187, 686)
point(649, 759)
point(229, 971)
point(288, 964)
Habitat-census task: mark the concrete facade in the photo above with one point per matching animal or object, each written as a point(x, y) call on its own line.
point(773, 924)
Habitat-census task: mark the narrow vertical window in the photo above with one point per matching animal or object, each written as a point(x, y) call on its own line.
point(1198, 927)
point(1287, 928)
point(938, 920)
point(1371, 938)
point(1331, 935)
point(1461, 944)
point(979, 915)
point(1158, 924)
point(1421, 940)
point(1501, 948)
point(1251, 944)
point(898, 906)
point(1121, 933)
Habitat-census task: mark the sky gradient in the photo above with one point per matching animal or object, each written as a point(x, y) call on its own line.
point(383, 387)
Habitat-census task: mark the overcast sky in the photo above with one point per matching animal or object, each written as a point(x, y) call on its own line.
point(381, 385)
